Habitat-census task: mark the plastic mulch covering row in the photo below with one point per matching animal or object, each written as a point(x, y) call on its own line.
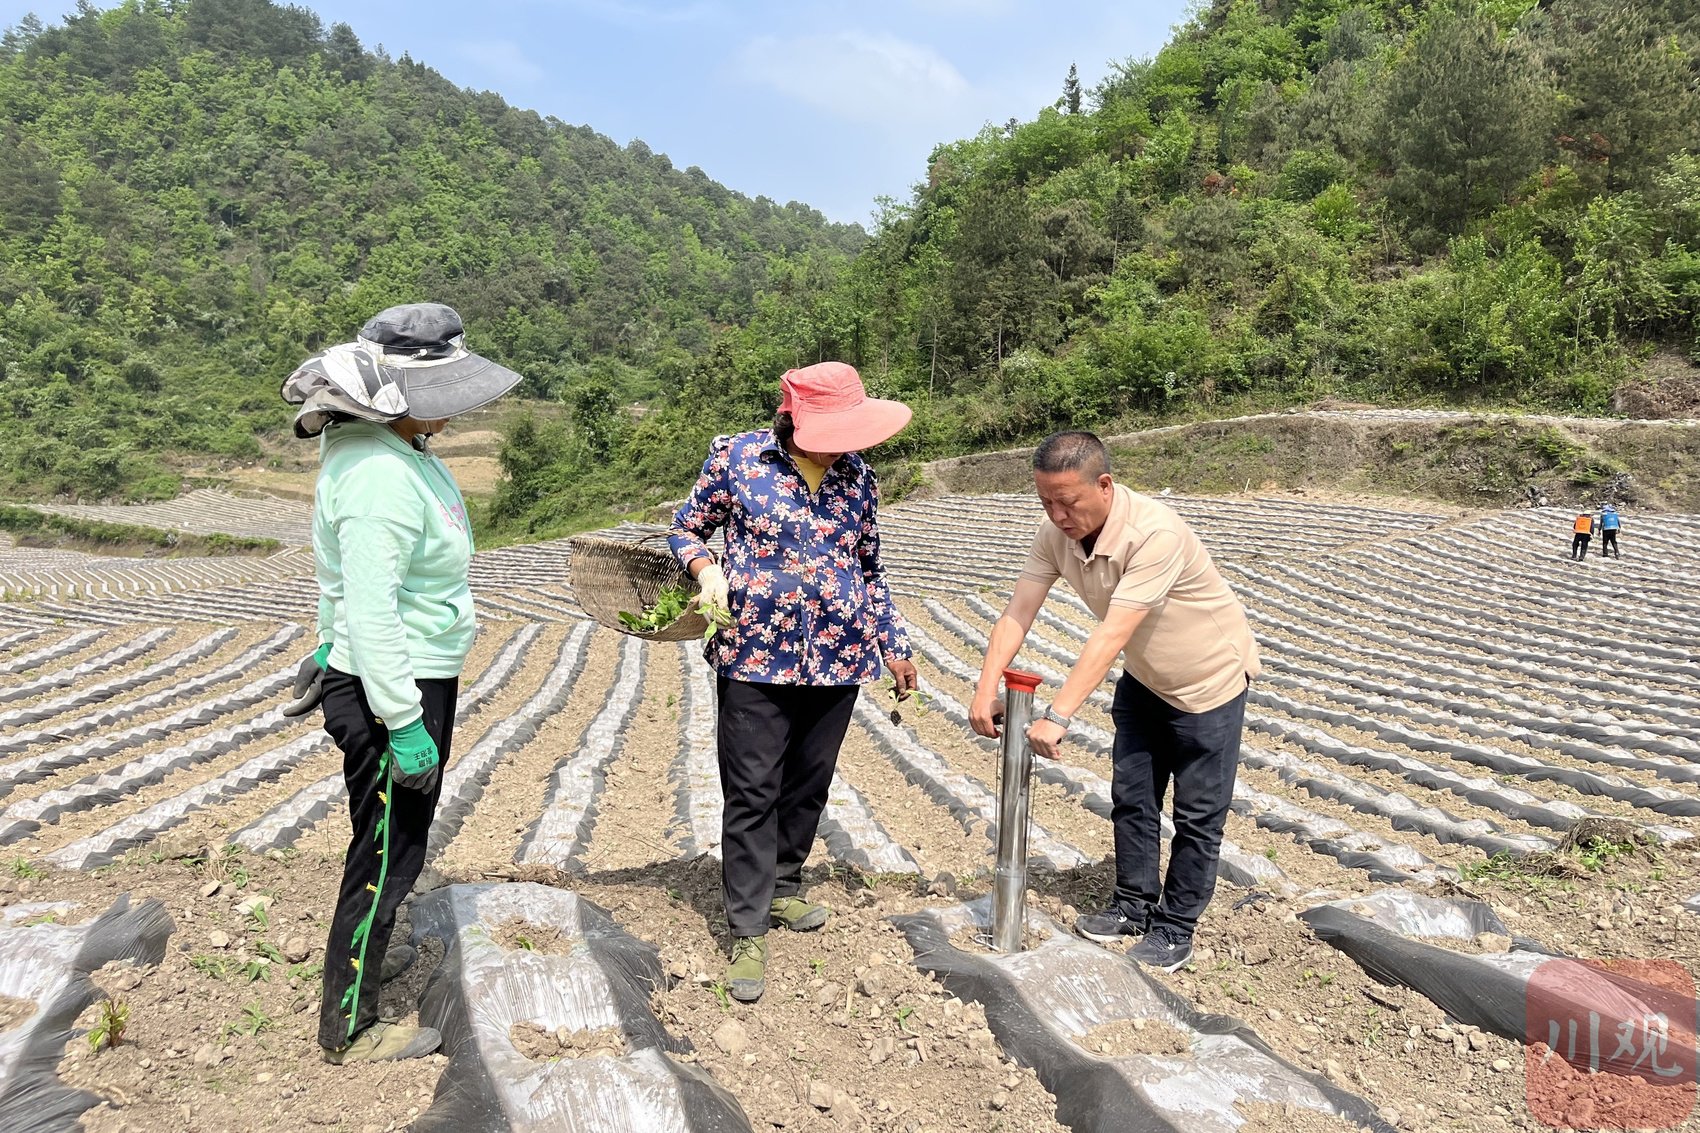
point(593, 977)
point(1528, 995)
point(50, 964)
point(1039, 1001)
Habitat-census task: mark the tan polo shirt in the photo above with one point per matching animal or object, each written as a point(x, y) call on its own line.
point(1194, 649)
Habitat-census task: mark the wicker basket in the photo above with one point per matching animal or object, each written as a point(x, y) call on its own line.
point(611, 576)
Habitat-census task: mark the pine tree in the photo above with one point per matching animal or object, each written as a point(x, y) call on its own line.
point(1465, 118)
point(1071, 91)
point(1631, 97)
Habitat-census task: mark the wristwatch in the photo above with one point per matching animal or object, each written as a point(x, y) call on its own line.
point(1057, 718)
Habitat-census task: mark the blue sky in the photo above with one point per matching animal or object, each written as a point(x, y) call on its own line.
point(829, 104)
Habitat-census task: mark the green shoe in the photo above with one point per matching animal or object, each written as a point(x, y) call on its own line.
point(387, 1042)
point(797, 914)
point(747, 977)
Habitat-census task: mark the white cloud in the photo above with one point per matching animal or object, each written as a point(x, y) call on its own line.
point(856, 76)
point(503, 60)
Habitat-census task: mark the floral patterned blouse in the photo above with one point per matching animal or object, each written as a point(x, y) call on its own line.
point(808, 592)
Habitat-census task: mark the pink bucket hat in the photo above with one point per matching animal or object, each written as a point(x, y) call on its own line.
point(833, 413)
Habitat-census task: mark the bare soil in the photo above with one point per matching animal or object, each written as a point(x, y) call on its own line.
point(523, 934)
point(1293, 1118)
point(220, 1038)
point(540, 1044)
point(1135, 1036)
point(14, 1012)
point(846, 1020)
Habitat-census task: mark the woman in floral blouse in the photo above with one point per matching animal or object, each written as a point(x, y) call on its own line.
point(812, 620)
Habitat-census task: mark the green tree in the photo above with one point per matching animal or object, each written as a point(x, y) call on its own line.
point(1619, 281)
point(1632, 89)
point(1464, 120)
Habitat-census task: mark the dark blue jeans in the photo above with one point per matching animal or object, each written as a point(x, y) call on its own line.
point(1158, 745)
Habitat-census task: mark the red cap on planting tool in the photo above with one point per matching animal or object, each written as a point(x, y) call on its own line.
point(1021, 680)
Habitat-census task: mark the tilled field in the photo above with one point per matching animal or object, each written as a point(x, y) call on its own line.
point(1446, 698)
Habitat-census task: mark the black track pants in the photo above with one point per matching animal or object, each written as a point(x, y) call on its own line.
point(385, 854)
point(778, 749)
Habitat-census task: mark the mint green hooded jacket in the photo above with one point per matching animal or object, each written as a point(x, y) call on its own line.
point(391, 544)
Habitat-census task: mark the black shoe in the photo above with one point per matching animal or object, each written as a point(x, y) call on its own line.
point(397, 960)
point(1111, 925)
point(1165, 947)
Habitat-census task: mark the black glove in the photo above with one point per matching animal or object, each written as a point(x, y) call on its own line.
point(309, 686)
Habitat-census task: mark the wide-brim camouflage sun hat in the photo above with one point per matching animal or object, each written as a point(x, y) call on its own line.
point(409, 361)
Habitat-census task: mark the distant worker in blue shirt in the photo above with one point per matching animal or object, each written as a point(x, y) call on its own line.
point(1609, 525)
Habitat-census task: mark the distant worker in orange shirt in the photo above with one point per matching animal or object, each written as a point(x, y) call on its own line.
point(1584, 531)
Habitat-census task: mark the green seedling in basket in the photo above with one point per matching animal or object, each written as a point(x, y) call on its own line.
point(671, 604)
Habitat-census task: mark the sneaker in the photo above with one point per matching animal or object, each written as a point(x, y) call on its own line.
point(797, 914)
point(1110, 925)
point(397, 960)
point(747, 976)
point(386, 1042)
point(1165, 948)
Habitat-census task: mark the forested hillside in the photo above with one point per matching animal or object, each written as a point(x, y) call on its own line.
point(196, 194)
point(1491, 203)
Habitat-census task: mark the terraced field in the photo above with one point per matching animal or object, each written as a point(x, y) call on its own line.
point(1446, 697)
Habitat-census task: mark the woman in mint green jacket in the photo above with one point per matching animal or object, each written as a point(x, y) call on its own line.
point(391, 546)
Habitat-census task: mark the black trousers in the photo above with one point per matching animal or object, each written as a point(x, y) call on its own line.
point(1579, 546)
point(1157, 744)
point(385, 854)
point(778, 747)
point(1608, 542)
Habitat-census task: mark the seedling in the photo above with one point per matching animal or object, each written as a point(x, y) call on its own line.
point(523, 941)
point(23, 867)
point(108, 1031)
point(916, 696)
point(675, 895)
point(254, 1020)
point(722, 994)
point(903, 1014)
point(818, 964)
point(269, 951)
point(1272, 853)
point(1373, 1032)
point(212, 966)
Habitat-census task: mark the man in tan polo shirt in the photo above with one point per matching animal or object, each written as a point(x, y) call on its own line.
point(1179, 705)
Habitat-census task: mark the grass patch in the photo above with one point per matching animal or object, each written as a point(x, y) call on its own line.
point(1592, 846)
point(33, 528)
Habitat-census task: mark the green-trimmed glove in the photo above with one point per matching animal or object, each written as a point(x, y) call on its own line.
point(309, 682)
point(413, 757)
